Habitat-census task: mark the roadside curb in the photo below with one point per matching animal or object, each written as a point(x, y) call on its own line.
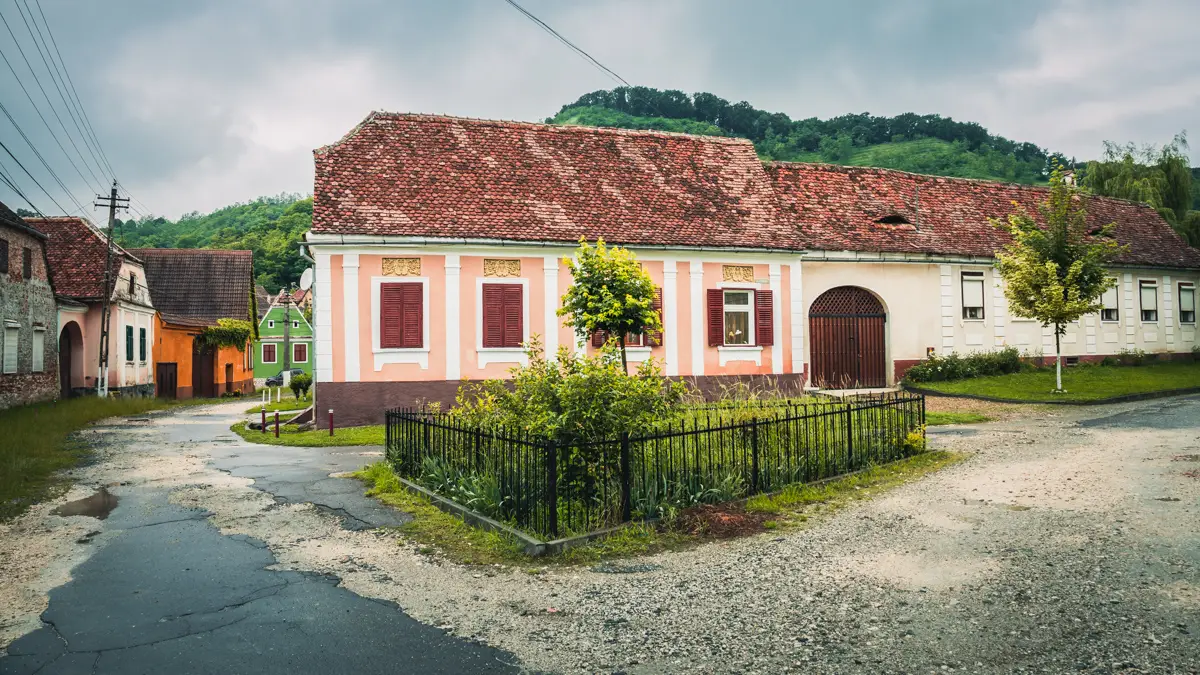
point(1127, 398)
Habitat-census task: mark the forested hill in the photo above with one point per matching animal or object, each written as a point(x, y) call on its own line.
point(929, 144)
point(272, 227)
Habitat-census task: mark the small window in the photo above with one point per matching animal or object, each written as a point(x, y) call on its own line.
point(893, 219)
point(972, 295)
point(129, 343)
point(11, 335)
point(739, 317)
point(1187, 303)
point(268, 353)
point(132, 285)
point(1149, 293)
point(1108, 303)
point(300, 353)
point(503, 315)
point(295, 323)
point(142, 345)
point(1071, 360)
point(270, 323)
point(39, 350)
point(3, 256)
point(27, 263)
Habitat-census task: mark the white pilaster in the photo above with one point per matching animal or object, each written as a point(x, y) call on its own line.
point(551, 302)
point(797, 318)
point(1168, 313)
point(453, 318)
point(948, 319)
point(1130, 319)
point(322, 318)
point(698, 311)
point(670, 317)
point(350, 309)
point(776, 276)
point(999, 309)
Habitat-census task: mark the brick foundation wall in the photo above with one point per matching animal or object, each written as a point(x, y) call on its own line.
point(25, 388)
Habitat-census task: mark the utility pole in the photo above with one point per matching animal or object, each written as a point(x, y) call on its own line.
point(113, 202)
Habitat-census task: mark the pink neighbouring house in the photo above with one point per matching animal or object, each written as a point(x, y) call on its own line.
point(438, 246)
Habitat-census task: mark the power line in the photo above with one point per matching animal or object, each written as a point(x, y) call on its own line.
point(35, 181)
point(53, 110)
point(74, 94)
point(603, 68)
point(54, 80)
point(39, 155)
point(13, 186)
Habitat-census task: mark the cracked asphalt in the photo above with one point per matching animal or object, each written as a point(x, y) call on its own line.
point(165, 591)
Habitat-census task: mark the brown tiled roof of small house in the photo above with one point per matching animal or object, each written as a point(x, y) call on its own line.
point(77, 252)
point(840, 208)
point(430, 176)
point(195, 287)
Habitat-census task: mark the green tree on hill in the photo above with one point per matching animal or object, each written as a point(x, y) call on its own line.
point(1158, 176)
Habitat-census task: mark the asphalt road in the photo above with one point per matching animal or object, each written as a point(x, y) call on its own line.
point(166, 592)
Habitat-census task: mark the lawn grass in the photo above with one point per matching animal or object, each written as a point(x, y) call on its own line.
point(317, 438)
point(937, 419)
point(288, 403)
point(1083, 383)
point(436, 532)
point(36, 444)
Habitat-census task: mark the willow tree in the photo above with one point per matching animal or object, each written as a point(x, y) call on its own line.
point(1055, 271)
point(610, 292)
point(1158, 176)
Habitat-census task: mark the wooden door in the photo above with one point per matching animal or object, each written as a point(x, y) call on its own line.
point(228, 378)
point(166, 380)
point(847, 338)
point(204, 377)
point(64, 364)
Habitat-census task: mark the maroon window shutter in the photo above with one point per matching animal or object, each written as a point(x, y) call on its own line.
point(269, 354)
point(599, 337)
point(493, 315)
point(513, 320)
point(391, 306)
point(413, 313)
point(716, 317)
point(764, 318)
point(300, 353)
point(656, 336)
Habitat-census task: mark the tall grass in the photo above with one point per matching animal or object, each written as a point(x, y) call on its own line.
point(35, 443)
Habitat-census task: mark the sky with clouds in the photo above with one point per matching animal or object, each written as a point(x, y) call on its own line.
point(204, 103)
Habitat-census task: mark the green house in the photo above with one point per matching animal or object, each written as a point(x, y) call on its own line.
point(283, 326)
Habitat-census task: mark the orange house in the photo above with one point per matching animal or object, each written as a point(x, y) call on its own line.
point(196, 288)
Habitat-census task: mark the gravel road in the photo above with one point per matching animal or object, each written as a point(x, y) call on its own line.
point(1069, 541)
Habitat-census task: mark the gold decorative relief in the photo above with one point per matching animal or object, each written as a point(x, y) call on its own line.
point(493, 267)
point(401, 267)
point(738, 273)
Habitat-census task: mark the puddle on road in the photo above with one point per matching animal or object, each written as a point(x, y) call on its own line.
point(98, 506)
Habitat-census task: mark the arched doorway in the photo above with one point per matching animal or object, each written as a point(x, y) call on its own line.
point(70, 359)
point(847, 338)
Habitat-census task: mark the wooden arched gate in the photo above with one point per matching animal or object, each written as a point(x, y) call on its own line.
point(847, 338)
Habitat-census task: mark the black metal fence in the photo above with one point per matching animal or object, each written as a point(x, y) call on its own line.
point(710, 454)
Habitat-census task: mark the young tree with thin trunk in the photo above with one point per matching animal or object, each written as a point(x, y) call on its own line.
point(610, 292)
point(1056, 271)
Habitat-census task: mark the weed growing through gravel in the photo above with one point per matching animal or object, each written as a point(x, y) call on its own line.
point(317, 438)
point(937, 419)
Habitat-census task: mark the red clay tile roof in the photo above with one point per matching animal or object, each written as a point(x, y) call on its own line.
point(76, 251)
point(195, 287)
point(432, 176)
point(838, 208)
point(7, 217)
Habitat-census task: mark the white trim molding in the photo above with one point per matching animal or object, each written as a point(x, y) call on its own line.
point(417, 355)
point(551, 299)
point(350, 309)
point(322, 318)
point(670, 318)
point(776, 276)
point(797, 317)
point(697, 307)
point(727, 353)
point(487, 355)
point(453, 317)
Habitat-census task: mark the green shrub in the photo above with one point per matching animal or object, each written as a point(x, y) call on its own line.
point(300, 384)
point(1133, 357)
point(955, 367)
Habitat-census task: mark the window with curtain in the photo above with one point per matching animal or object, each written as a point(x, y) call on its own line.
point(1108, 303)
point(1149, 295)
point(972, 295)
point(1187, 303)
point(739, 317)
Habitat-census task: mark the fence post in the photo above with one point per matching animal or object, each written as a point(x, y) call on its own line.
point(849, 438)
point(477, 464)
point(425, 426)
point(754, 456)
point(552, 485)
point(626, 481)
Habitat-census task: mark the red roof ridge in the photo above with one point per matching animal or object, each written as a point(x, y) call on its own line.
point(206, 251)
point(92, 228)
point(519, 124)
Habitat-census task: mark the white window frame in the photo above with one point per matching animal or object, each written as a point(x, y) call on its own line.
point(973, 276)
point(1187, 286)
point(263, 353)
point(1104, 307)
point(486, 355)
point(382, 356)
point(1143, 284)
point(39, 350)
point(750, 326)
point(270, 323)
point(295, 324)
point(747, 352)
point(12, 332)
point(307, 349)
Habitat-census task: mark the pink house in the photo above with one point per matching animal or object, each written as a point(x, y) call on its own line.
point(438, 245)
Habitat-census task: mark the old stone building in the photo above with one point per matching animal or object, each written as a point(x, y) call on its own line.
point(28, 315)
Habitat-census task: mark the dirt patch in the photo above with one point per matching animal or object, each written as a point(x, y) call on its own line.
point(721, 521)
point(995, 411)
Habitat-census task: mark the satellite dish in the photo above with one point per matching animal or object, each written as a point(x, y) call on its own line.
point(306, 279)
